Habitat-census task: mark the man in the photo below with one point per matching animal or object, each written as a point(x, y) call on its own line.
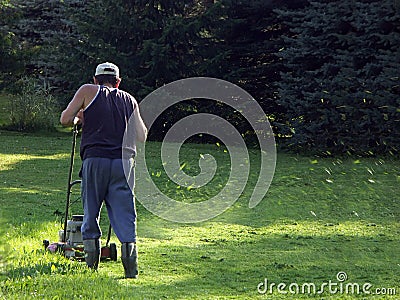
point(104, 111)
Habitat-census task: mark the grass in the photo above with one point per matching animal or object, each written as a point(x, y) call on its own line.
point(321, 216)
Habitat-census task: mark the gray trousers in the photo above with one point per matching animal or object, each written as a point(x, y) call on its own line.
point(103, 180)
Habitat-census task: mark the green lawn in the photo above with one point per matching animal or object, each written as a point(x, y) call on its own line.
point(321, 216)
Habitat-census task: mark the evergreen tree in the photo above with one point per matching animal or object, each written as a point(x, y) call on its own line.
point(152, 42)
point(147, 39)
point(238, 42)
point(10, 50)
point(37, 27)
point(340, 88)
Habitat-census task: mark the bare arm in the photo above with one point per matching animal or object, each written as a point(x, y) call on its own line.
point(74, 109)
point(140, 127)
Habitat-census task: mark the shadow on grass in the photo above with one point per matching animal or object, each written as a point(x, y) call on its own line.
point(216, 259)
point(220, 267)
point(232, 262)
point(281, 239)
point(45, 268)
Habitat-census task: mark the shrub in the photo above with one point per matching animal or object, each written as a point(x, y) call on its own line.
point(34, 108)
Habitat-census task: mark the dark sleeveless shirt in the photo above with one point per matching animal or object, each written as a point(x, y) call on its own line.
point(105, 121)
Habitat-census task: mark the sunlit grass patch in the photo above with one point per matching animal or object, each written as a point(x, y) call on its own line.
point(319, 217)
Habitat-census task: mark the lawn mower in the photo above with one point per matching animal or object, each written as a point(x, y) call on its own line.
point(70, 242)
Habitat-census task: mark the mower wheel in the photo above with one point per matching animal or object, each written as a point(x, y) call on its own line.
point(113, 252)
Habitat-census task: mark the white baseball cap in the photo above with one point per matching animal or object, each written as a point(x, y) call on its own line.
point(107, 68)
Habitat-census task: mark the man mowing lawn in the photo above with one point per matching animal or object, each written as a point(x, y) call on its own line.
point(104, 111)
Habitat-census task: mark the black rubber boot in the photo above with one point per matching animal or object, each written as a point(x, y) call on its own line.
point(92, 253)
point(129, 260)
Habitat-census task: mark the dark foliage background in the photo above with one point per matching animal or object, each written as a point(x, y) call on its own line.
point(340, 86)
point(325, 72)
